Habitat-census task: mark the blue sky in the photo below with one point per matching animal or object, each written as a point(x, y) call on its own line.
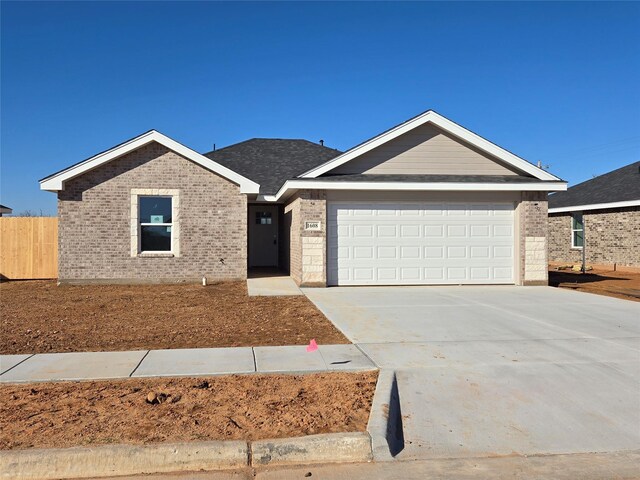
point(556, 82)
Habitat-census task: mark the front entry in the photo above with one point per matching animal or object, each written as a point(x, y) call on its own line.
point(263, 236)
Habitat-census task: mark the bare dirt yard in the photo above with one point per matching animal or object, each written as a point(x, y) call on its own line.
point(246, 407)
point(617, 284)
point(41, 317)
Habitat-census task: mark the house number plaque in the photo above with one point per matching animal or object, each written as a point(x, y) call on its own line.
point(313, 226)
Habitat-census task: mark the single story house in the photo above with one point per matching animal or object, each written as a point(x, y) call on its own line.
point(601, 216)
point(5, 210)
point(425, 202)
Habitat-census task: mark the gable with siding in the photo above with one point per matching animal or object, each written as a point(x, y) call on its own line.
point(426, 150)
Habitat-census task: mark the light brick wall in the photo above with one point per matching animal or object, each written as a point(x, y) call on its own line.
point(95, 234)
point(308, 263)
point(612, 236)
point(533, 238)
point(292, 213)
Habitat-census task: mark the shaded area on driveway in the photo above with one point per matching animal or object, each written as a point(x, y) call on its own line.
point(485, 371)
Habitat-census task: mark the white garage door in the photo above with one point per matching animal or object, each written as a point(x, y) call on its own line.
point(420, 243)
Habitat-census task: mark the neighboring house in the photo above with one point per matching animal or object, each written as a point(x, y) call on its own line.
point(426, 202)
point(5, 210)
point(601, 215)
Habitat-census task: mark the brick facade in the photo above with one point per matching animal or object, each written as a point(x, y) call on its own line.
point(308, 263)
point(98, 233)
point(612, 237)
point(95, 233)
point(533, 210)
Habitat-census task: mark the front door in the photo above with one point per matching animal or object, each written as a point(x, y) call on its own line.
point(263, 236)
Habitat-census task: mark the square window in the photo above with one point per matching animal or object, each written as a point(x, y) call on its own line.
point(155, 239)
point(263, 218)
point(155, 210)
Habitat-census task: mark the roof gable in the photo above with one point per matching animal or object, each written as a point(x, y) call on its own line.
point(55, 182)
point(451, 128)
point(615, 189)
point(425, 150)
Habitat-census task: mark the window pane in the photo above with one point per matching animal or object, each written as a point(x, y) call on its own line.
point(577, 238)
point(263, 218)
point(155, 239)
point(577, 221)
point(155, 210)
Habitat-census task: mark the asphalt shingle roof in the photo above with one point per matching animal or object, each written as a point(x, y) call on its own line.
point(272, 161)
point(620, 185)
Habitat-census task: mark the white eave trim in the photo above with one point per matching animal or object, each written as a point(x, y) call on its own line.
point(595, 206)
point(56, 181)
point(292, 185)
point(446, 125)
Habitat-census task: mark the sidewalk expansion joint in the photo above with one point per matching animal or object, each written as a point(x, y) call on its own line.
point(19, 363)
point(139, 363)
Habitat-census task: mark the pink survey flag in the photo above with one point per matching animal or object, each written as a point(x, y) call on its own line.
point(313, 346)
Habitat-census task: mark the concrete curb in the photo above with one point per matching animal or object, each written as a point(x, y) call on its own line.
point(121, 460)
point(323, 448)
point(385, 419)
point(117, 460)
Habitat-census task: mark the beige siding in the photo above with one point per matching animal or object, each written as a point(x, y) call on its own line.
point(425, 150)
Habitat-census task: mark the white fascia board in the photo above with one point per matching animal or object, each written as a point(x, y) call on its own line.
point(446, 125)
point(412, 186)
point(595, 206)
point(56, 182)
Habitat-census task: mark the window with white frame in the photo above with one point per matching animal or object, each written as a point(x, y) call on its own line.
point(156, 221)
point(577, 230)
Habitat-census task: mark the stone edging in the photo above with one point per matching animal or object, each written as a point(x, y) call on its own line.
point(119, 460)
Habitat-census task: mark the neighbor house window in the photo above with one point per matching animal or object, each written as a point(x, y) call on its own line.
point(577, 230)
point(156, 222)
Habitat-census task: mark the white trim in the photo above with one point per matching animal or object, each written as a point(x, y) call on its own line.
point(411, 186)
point(443, 123)
point(596, 206)
point(56, 181)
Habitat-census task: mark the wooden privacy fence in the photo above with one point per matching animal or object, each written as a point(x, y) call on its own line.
point(28, 247)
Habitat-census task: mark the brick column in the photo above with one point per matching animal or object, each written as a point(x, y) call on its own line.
point(533, 238)
point(308, 247)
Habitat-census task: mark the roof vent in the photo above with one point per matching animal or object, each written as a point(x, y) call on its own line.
point(322, 142)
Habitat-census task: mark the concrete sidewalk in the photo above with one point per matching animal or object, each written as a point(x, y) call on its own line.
point(272, 286)
point(50, 367)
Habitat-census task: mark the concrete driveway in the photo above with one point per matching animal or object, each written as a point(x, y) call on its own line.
point(486, 371)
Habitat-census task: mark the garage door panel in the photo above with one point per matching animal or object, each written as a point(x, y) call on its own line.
point(426, 243)
point(384, 230)
point(386, 252)
point(456, 231)
point(480, 252)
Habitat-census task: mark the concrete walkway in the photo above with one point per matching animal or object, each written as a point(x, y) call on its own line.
point(272, 286)
point(49, 367)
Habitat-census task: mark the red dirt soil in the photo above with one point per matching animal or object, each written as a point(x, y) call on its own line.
point(247, 407)
point(624, 284)
point(41, 317)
